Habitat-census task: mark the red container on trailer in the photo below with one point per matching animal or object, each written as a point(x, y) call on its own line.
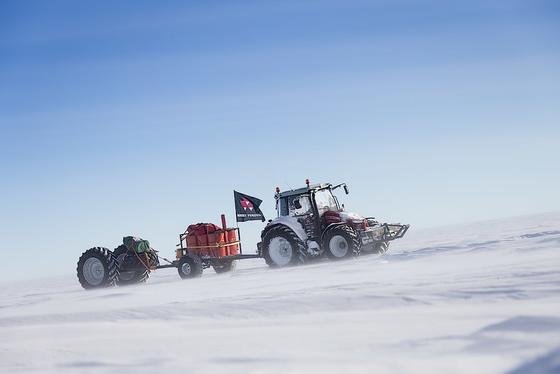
point(209, 240)
point(232, 249)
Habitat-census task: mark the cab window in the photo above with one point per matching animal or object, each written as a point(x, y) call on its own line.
point(325, 201)
point(299, 205)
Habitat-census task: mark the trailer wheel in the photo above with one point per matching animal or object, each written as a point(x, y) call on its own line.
point(224, 266)
point(97, 268)
point(130, 269)
point(189, 267)
point(381, 247)
point(341, 242)
point(282, 247)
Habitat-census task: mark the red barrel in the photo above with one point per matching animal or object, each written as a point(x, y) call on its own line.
point(209, 240)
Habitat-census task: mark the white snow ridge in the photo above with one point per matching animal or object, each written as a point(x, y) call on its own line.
point(482, 298)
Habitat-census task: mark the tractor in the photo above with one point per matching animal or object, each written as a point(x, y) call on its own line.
point(312, 224)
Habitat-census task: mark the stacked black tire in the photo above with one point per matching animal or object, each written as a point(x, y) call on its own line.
point(132, 269)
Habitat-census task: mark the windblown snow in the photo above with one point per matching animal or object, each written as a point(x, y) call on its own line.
point(482, 297)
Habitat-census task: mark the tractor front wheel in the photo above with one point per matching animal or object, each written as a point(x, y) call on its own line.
point(341, 242)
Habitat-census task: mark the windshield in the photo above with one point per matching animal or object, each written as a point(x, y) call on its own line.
point(325, 201)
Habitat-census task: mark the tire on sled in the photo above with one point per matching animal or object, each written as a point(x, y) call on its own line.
point(130, 269)
point(97, 268)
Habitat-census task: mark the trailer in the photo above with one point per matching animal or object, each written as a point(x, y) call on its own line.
point(204, 245)
point(201, 246)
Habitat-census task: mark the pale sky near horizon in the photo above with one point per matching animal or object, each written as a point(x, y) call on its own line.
point(139, 117)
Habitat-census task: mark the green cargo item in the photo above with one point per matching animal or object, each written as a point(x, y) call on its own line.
point(136, 244)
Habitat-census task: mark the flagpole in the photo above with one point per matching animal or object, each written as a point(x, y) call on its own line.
point(237, 226)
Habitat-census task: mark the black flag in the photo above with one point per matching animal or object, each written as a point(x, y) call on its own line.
point(247, 207)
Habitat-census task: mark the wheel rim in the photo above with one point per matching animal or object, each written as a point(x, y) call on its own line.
point(280, 251)
point(338, 246)
point(94, 271)
point(186, 268)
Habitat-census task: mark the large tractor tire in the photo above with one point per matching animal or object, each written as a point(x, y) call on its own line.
point(130, 270)
point(282, 247)
point(97, 268)
point(224, 266)
point(189, 267)
point(341, 242)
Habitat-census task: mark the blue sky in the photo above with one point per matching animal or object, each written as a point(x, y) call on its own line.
point(138, 117)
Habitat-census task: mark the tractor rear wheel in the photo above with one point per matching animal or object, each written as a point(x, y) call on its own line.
point(341, 242)
point(224, 266)
point(282, 247)
point(131, 270)
point(189, 267)
point(97, 268)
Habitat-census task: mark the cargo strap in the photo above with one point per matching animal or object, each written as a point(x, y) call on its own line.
point(147, 267)
point(217, 245)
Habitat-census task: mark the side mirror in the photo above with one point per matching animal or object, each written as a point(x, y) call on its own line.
point(346, 190)
point(297, 204)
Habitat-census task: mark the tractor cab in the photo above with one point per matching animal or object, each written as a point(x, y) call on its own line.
point(313, 207)
point(313, 200)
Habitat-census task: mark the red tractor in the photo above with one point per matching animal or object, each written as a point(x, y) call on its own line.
point(311, 223)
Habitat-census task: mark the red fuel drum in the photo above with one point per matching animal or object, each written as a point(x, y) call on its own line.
point(231, 237)
point(209, 240)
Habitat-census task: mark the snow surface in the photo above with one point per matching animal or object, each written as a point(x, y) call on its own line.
point(482, 297)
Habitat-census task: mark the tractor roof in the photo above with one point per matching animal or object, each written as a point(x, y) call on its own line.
point(304, 190)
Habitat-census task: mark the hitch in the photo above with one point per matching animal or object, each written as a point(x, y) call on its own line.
point(394, 231)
